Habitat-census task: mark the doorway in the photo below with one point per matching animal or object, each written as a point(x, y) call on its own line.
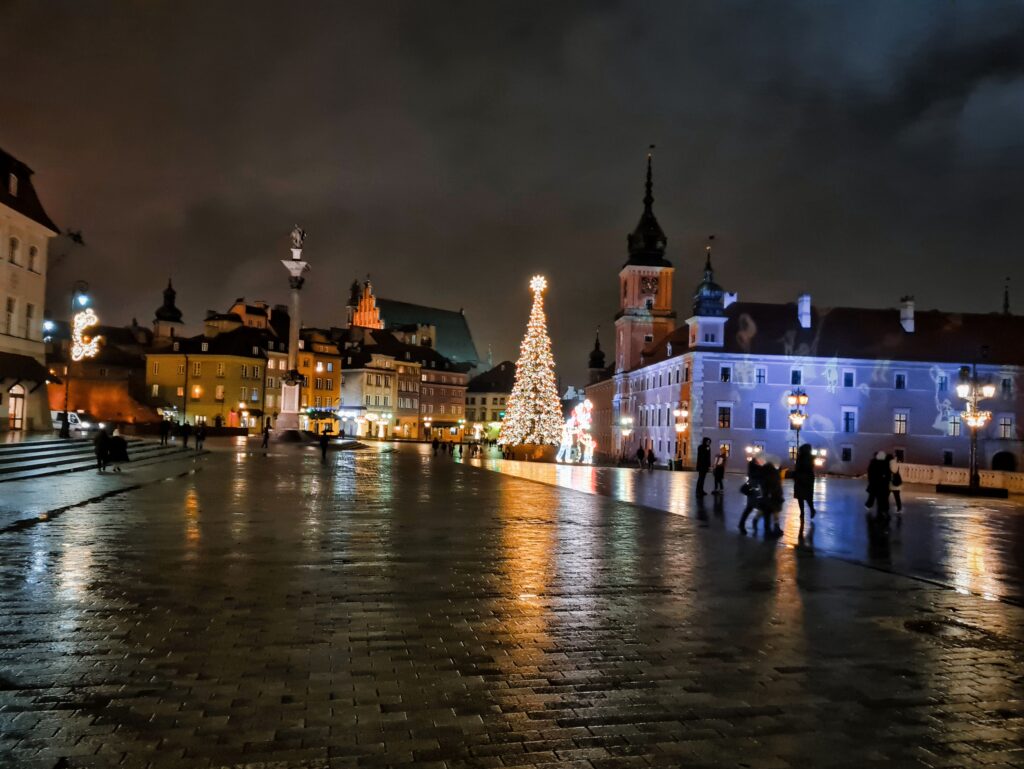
point(16, 408)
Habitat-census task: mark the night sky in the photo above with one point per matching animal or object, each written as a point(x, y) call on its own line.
point(855, 150)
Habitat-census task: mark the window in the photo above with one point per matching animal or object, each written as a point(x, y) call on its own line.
point(220, 369)
point(328, 384)
point(953, 425)
point(760, 375)
point(648, 338)
point(318, 383)
point(197, 369)
point(724, 417)
point(849, 420)
point(12, 250)
point(254, 395)
point(849, 379)
point(12, 184)
point(9, 316)
point(30, 314)
point(255, 372)
point(181, 392)
point(155, 391)
point(686, 373)
point(205, 347)
point(725, 374)
point(175, 347)
point(33, 258)
point(792, 451)
point(242, 393)
point(245, 371)
point(181, 369)
point(270, 383)
point(947, 458)
point(330, 367)
point(1006, 427)
point(156, 368)
point(846, 453)
point(760, 417)
point(725, 446)
point(255, 350)
point(1006, 387)
point(367, 400)
point(796, 376)
point(218, 393)
point(899, 422)
point(709, 337)
point(900, 382)
point(942, 383)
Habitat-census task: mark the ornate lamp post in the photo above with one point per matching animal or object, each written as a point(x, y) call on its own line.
point(682, 415)
point(973, 390)
point(797, 400)
point(81, 346)
point(288, 418)
point(625, 429)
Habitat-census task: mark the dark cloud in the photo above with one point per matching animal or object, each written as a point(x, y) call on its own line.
point(856, 150)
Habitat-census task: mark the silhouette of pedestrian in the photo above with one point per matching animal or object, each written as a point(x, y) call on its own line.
point(200, 437)
point(165, 431)
point(803, 480)
point(101, 447)
point(117, 452)
point(650, 459)
point(325, 441)
point(718, 473)
point(186, 431)
point(879, 478)
point(703, 465)
point(266, 434)
point(435, 444)
point(640, 457)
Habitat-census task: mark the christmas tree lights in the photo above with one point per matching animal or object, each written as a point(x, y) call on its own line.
point(534, 412)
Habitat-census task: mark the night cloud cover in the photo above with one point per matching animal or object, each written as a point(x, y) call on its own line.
point(858, 151)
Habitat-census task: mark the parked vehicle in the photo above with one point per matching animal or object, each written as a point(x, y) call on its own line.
point(78, 421)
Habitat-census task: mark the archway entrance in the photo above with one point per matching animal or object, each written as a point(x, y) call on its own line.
point(16, 408)
point(1004, 460)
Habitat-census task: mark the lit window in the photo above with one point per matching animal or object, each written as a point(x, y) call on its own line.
point(218, 392)
point(954, 424)
point(725, 373)
point(204, 347)
point(197, 369)
point(156, 369)
point(155, 391)
point(1006, 427)
point(181, 392)
point(724, 417)
point(899, 423)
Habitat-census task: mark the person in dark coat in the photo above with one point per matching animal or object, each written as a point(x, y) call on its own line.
point(879, 480)
point(770, 503)
point(718, 472)
point(200, 437)
point(165, 431)
point(101, 447)
point(266, 434)
point(117, 453)
point(325, 441)
point(703, 465)
point(752, 489)
point(435, 444)
point(185, 431)
point(803, 480)
point(650, 458)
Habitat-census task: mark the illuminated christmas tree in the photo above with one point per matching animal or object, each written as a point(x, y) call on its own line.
point(534, 412)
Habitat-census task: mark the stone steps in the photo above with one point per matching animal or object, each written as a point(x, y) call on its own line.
point(36, 459)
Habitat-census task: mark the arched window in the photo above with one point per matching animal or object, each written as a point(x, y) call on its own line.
point(12, 251)
point(33, 254)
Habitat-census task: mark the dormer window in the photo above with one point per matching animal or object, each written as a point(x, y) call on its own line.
point(175, 347)
point(205, 347)
point(12, 184)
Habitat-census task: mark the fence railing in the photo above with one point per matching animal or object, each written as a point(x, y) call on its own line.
point(960, 476)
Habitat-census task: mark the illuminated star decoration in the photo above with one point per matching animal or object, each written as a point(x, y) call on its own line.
point(534, 412)
point(80, 348)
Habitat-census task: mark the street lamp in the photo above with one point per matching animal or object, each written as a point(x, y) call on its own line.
point(972, 390)
point(682, 415)
point(797, 400)
point(81, 346)
point(625, 429)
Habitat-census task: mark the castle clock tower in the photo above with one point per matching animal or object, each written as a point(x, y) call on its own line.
point(645, 288)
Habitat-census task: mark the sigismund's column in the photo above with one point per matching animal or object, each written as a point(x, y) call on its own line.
point(287, 428)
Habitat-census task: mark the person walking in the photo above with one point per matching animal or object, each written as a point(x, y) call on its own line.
point(101, 447)
point(165, 431)
point(719, 471)
point(640, 455)
point(752, 489)
point(703, 465)
point(435, 443)
point(186, 431)
point(879, 480)
point(771, 501)
point(895, 481)
point(325, 441)
point(266, 435)
point(118, 451)
point(200, 437)
point(803, 480)
point(650, 459)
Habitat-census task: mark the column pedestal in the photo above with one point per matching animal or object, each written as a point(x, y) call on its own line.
point(287, 427)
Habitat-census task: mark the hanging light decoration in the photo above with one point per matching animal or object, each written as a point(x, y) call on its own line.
point(83, 346)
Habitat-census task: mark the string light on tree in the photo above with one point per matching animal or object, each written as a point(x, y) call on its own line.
point(534, 412)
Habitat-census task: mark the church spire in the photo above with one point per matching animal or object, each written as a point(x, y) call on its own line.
point(647, 242)
point(708, 300)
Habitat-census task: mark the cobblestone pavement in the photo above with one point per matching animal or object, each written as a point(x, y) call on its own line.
point(394, 609)
point(974, 545)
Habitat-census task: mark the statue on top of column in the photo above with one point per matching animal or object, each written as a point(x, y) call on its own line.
point(298, 236)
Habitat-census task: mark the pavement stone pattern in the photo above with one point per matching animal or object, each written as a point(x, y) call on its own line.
point(393, 609)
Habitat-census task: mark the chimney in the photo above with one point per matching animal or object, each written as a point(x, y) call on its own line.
point(907, 313)
point(803, 310)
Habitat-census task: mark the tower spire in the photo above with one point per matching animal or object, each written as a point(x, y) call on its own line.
point(649, 185)
point(708, 273)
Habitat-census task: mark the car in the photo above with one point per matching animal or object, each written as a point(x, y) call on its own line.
point(78, 421)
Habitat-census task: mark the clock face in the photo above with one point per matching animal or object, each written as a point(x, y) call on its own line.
point(649, 285)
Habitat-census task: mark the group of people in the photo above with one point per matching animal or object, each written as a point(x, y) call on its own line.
point(884, 478)
point(645, 459)
point(110, 449)
point(184, 431)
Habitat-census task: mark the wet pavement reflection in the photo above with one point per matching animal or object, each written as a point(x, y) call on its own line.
point(391, 608)
point(972, 545)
